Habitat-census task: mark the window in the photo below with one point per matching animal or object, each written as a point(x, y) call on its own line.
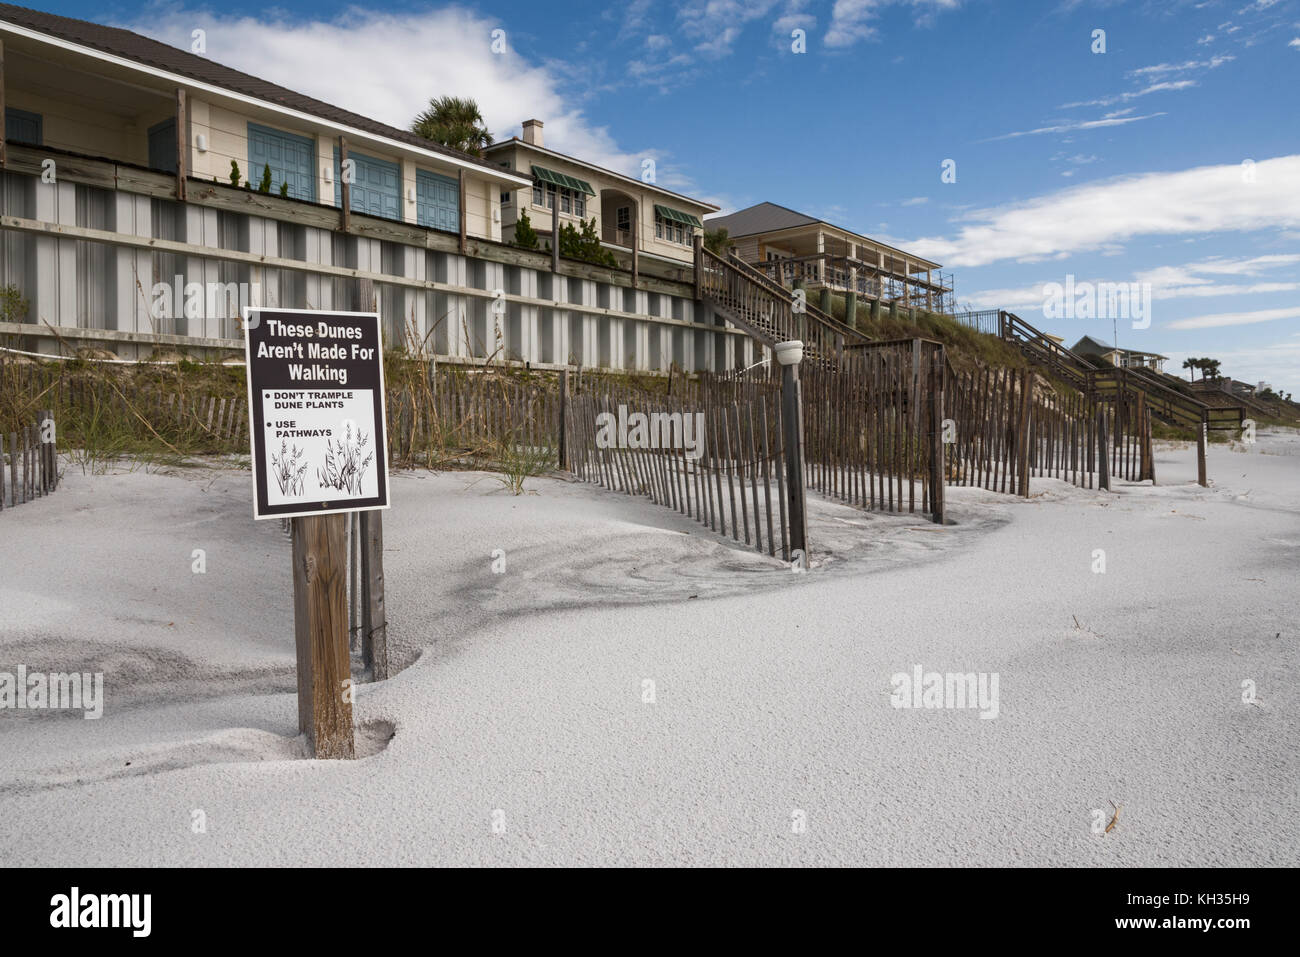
point(623, 219)
point(23, 127)
point(673, 232)
point(572, 201)
point(505, 198)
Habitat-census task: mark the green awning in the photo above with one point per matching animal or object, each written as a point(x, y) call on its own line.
point(677, 216)
point(563, 180)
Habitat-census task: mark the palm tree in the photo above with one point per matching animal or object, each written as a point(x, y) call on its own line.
point(453, 121)
point(1193, 364)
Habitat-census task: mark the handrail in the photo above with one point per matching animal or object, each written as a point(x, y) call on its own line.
point(833, 324)
point(763, 311)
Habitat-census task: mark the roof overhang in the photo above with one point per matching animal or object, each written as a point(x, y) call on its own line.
point(786, 231)
point(221, 94)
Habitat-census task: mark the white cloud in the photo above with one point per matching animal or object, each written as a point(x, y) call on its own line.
point(1235, 318)
point(1075, 125)
point(851, 20)
point(1162, 87)
point(1161, 69)
point(420, 55)
point(1295, 43)
point(1088, 217)
point(915, 201)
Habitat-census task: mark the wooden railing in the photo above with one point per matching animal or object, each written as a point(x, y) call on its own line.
point(768, 312)
point(1105, 384)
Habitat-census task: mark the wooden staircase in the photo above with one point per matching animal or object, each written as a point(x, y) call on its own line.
point(768, 311)
point(1166, 402)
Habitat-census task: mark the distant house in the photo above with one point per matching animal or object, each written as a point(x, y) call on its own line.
point(789, 245)
point(1123, 358)
point(664, 223)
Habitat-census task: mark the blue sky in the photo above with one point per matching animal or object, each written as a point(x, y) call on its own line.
point(1129, 165)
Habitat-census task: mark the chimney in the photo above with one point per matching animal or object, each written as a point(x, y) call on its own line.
point(533, 132)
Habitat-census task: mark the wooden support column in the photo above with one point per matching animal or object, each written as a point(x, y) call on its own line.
point(366, 298)
point(789, 354)
point(555, 236)
point(1202, 473)
point(699, 267)
point(182, 143)
point(374, 617)
point(464, 245)
point(320, 631)
point(636, 242)
point(2, 111)
point(1148, 469)
point(1022, 439)
point(1103, 449)
point(345, 187)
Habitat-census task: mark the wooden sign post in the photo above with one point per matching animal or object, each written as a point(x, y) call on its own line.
point(319, 443)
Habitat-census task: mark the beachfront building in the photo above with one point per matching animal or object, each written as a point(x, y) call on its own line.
point(149, 193)
point(629, 214)
point(795, 247)
point(1089, 347)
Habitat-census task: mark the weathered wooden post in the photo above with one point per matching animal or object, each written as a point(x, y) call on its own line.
point(320, 617)
point(49, 434)
point(1144, 440)
point(1022, 439)
point(312, 465)
point(345, 187)
point(555, 236)
point(938, 463)
point(564, 421)
point(1103, 449)
point(636, 242)
point(14, 498)
point(789, 354)
point(464, 235)
point(182, 143)
point(374, 617)
point(699, 267)
point(1202, 436)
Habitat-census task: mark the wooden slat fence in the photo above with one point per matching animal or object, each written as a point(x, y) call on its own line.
point(29, 464)
point(872, 427)
point(733, 482)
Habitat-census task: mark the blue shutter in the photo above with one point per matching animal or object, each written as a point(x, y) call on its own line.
point(292, 160)
point(23, 127)
point(437, 201)
point(377, 190)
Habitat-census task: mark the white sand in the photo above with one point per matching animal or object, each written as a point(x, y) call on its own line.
point(522, 692)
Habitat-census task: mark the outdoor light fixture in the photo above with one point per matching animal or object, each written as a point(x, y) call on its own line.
point(201, 142)
point(789, 353)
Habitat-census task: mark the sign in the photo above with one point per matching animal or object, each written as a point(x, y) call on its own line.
point(317, 427)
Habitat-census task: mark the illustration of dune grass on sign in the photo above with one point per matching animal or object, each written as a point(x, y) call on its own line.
point(288, 471)
point(346, 462)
